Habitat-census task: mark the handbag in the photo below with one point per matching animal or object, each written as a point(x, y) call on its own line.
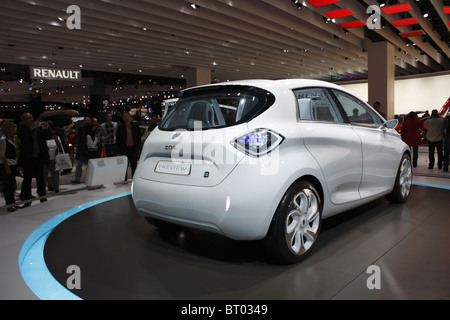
point(52, 147)
point(63, 161)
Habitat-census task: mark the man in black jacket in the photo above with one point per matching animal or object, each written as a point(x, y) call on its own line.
point(33, 155)
point(129, 140)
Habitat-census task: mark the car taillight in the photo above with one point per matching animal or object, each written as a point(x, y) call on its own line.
point(258, 142)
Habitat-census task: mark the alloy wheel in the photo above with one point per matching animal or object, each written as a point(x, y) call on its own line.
point(302, 221)
point(405, 178)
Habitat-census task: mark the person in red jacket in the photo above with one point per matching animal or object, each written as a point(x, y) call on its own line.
point(411, 134)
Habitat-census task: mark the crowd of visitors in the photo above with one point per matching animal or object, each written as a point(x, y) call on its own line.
point(30, 150)
point(436, 131)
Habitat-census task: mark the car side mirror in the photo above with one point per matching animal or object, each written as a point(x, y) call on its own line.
point(390, 124)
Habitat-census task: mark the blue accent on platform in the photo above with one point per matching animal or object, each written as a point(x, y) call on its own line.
point(430, 185)
point(31, 257)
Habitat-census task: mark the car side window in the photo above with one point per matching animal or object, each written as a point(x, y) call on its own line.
point(314, 104)
point(357, 111)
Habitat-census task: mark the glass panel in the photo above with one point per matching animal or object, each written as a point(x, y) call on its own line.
point(314, 105)
point(357, 111)
point(217, 107)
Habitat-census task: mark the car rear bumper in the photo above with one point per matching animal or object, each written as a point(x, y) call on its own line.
point(236, 208)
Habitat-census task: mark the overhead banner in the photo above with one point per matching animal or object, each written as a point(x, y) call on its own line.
point(45, 73)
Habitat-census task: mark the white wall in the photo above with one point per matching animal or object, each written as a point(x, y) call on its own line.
point(358, 89)
point(419, 94)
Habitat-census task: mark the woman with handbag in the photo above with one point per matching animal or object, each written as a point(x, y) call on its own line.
point(8, 163)
point(54, 146)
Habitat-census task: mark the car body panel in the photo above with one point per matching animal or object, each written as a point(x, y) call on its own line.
point(378, 146)
point(204, 152)
point(339, 156)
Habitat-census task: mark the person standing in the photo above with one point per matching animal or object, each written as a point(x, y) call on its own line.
point(447, 142)
point(435, 137)
point(8, 160)
point(129, 140)
point(108, 134)
point(54, 145)
point(411, 134)
point(92, 141)
point(377, 107)
point(33, 155)
point(82, 150)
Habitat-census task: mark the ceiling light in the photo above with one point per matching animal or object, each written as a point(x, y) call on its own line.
point(339, 14)
point(320, 3)
point(353, 24)
point(405, 22)
point(397, 8)
point(412, 34)
point(194, 6)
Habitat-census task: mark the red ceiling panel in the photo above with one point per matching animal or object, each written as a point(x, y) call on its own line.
point(447, 10)
point(320, 3)
point(339, 14)
point(405, 22)
point(397, 8)
point(353, 24)
point(413, 34)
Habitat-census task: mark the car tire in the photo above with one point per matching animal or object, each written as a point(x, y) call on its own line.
point(402, 186)
point(296, 224)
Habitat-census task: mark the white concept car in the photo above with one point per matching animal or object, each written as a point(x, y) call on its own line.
point(263, 159)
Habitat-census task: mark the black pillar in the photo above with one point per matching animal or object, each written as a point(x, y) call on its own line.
point(36, 105)
point(97, 94)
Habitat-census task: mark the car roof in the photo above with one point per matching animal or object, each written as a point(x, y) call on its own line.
point(279, 85)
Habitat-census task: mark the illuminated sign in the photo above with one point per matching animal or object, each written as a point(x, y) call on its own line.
point(44, 73)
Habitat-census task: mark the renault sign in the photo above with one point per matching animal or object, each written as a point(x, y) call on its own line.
point(44, 73)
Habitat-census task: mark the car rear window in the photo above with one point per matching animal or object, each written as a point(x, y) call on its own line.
point(217, 107)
